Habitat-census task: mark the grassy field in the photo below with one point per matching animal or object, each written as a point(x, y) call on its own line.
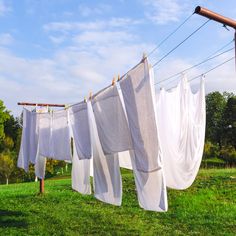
point(206, 208)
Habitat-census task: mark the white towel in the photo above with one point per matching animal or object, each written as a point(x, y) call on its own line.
point(139, 98)
point(106, 176)
point(111, 122)
point(80, 174)
point(181, 122)
point(80, 127)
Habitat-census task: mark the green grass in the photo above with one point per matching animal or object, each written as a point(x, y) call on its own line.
point(206, 208)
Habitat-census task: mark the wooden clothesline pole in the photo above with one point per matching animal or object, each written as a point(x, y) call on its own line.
point(218, 18)
point(41, 181)
point(40, 104)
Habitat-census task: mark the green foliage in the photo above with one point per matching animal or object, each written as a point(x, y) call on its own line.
point(228, 154)
point(229, 118)
point(208, 207)
point(4, 116)
point(6, 165)
point(215, 106)
point(210, 150)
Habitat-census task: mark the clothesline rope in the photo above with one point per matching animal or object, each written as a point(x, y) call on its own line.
point(194, 66)
point(217, 66)
point(206, 72)
point(179, 44)
point(169, 35)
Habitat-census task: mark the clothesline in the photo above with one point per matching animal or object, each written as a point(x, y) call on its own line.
point(194, 66)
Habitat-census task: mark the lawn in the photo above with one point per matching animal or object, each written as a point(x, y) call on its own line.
point(208, 207)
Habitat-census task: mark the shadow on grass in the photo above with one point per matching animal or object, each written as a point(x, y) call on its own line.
point(10, 219)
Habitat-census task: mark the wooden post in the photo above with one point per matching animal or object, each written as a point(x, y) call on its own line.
point(218, 18)
point(41, 186)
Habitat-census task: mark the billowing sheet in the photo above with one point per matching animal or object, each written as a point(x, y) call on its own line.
point(181, 123)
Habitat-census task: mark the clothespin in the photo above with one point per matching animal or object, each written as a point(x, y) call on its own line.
point(66, 106)
point(90, 96)
point(118, 79)
point(144, 57)
point(85, 99)
point(113, 81)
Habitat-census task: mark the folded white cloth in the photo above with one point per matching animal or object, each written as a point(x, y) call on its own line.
point(111, 122)
point(139, 98)
point(80, 127)
point(106, 176)
point(181, 125)
point(80, 173)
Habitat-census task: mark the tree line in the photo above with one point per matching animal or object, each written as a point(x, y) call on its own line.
point(219, 150)
point(220, 140)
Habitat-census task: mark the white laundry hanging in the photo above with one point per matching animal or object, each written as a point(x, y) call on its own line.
point(54, 135)
point(139, 98)
point(106, 175)
point(29, 140)
point(150, 186)
point(111, 122)
point(80, 173)
point(80, 127)
point(45, 141)
point(40, 161)
point(61, 139)
point(181, 123)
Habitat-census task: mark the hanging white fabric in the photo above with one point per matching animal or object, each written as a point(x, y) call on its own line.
point(80, 173)
point(29, 140)
point(106, 175)
point(139, 98)
point(45, 141)
point(111, 122)
point(61, 139)
point(181, 123)
point(40, 161)
point(23, 157)
point(150, 186)
point(40, 166)
point(125, 160)
point(80, 127)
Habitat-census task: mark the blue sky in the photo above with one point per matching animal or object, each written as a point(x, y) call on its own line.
point(57, 51)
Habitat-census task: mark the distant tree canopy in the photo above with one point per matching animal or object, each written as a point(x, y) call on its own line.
point(221, 126)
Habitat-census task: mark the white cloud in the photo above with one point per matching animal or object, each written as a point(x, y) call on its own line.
point(66, 27)
point(4, 9)
point(6, 39)
point(72, 71)
point(86, 11)
point(57, 39)
point(162, 12)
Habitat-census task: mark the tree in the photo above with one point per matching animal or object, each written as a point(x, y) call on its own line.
point(215, 106)
point(228, 154)
point(4, 116)
point(6, 165)
point(12, 129)
point(230, 122)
